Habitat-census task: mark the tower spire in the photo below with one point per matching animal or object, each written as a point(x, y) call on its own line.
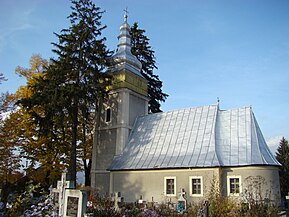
point(123, 58)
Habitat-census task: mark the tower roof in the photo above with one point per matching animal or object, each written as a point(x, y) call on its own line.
point(195, 137)
point(123, 58)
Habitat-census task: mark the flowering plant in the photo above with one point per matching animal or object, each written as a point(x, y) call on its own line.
point(44, 207)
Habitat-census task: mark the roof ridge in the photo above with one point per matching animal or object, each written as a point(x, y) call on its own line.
point(174, 110)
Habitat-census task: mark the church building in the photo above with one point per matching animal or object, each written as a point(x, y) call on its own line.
point(156, 156)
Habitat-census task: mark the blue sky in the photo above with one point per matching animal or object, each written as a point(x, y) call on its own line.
point(237, 50)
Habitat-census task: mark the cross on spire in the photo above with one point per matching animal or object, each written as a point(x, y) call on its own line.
point(125, 14)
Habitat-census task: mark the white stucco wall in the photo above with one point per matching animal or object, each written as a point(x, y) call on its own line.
point(259, 182)
point(150, 184)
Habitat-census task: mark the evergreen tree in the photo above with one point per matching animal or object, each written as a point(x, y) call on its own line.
point(282, 156)
point(143, 51)
point(68, 92)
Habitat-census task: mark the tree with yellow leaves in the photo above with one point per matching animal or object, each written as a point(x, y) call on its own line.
point(43, 133)
point(21, 133)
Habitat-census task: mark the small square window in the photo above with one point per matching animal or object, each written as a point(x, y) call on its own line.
point(234, 185)
point(196, 186)
point(170, 186)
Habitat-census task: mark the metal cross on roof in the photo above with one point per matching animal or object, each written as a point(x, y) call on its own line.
point(125, 14)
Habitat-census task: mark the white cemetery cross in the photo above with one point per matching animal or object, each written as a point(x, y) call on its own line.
point(182, 203)
point(58, 193)
point(117, 199)
point(140, 201)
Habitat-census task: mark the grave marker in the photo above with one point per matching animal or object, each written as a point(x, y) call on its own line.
point(182, 202)
point(58, 194)
point(72, 206)
point(117, 198)
point(74, 203)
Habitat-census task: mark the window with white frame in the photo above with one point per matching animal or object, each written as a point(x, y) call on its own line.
point(234, 185)
point(196, 186)
point(170, 186)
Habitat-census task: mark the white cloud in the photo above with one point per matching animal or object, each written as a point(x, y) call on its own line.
point(273, 143)
point(16, 20)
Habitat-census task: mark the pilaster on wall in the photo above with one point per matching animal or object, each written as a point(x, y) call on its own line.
point(123, 121)
point(218, 179)
point(100, 182)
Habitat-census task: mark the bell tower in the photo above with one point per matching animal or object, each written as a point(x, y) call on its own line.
point(127, 99)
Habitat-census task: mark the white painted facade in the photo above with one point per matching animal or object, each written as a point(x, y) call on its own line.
point(150, 185)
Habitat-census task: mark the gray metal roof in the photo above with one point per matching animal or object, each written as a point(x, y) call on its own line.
point(195, 137)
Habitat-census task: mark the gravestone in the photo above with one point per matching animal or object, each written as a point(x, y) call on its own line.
point(74, 203)
point(182, 202)
point(72, 206)
point(58, 194)
point(117, 198)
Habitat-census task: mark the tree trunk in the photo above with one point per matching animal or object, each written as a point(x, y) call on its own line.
point(87, 169)
point(72, 168)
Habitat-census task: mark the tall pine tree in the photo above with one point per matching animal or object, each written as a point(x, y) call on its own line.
point(74, 81)
point(282, 156)
point(145, 54)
